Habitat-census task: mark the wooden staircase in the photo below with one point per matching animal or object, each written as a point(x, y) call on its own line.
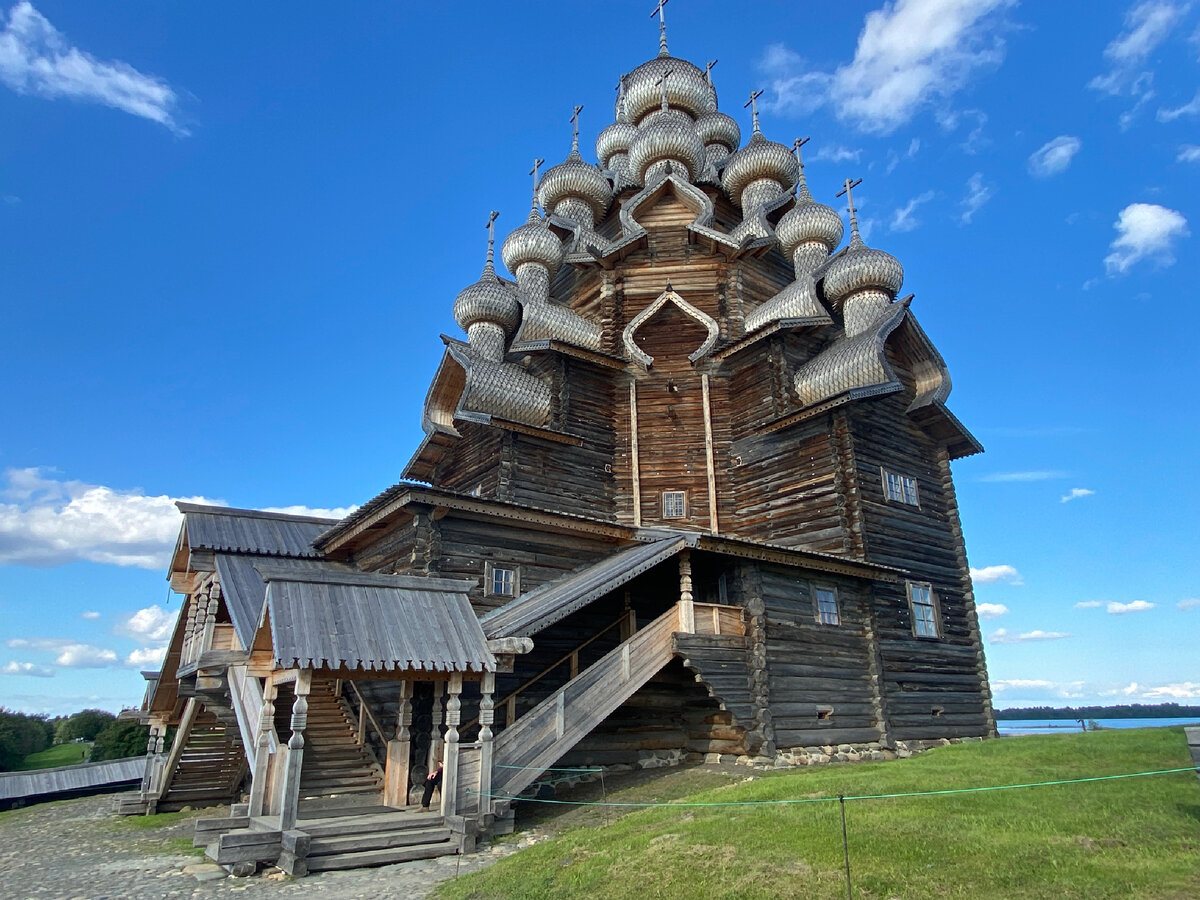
point(335, 763)
point(375, 837)
point(210, 766)
point(540, 737)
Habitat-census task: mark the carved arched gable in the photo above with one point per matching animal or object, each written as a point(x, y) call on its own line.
point(669, 296)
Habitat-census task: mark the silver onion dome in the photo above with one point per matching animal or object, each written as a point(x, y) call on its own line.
point(487, 302)
point(575, 179)
point(613, 140)
point(718, 128)
point(667, 135)
point(759, 160)
point(808, 221)
point(688, 88)
point(862, 268)
point(533, 242)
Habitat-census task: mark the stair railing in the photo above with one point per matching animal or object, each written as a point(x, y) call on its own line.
point(365, 717)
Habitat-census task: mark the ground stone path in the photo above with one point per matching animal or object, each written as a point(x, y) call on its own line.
point(79, 849)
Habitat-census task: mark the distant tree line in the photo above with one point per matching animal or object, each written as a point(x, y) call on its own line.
point(1120, 711)
point(22, 734)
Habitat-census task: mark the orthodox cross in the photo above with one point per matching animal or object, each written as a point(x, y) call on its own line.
point(708, 70)
point(796, 145)
point(575, 128)
point(753, 104)
point(662, 26)
point(620, 89)
point(491, 227)
point(663, 82)
point(537, 164)
point(850, 185)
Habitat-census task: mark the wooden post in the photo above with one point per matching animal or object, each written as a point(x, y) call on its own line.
point(575, 664)
point(362, 722)
point(486, 717)
point(290, 799)
point(436, 744)
point(708, 458)
point(450, 754)
point(629, 623)
point(687, 609)
point(510, 710)
point(262, 749)
point(633, 455)
point(395, 790)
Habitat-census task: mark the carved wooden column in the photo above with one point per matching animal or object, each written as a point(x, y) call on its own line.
point(450, 754)
point(486, 717)
point(436, 743)
point(290, 799)
point(262, 750)
point(687, 609)
point(399, 749)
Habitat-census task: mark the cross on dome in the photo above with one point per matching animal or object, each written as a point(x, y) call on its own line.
point(847, 191)
point(708, 70)
point(663, 82)
point(575, 128)
point(537, 164)
point(801, 181)
point(753, 104)
point(491, 254)
point(662, 27)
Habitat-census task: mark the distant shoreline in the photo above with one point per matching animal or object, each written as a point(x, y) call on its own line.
point(1127, 711)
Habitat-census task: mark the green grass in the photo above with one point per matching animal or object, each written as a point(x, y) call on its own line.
point(1137, 837)
point(60, 755)
point(158, 820)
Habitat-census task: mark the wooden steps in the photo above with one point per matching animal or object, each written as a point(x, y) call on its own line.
point(210, 767)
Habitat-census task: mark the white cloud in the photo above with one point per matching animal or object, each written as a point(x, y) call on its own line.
point(976, 196)
point(47, 522)
point(1120, 609)
point(835, 153)
point(1184, 690)
point(1189, 603)
point(89, 614)
point(993, 574)
point(1188, 153)
point(1037, 475)
point(35, 58)
point(146, 657)
point(903, 218)
point(27, 668)
point(1088, 604)
point(991, 610)
point(1007, 684)
point(70, 653)
point(1076, 493)
point(1146, 26)
point(337, 512)
point(1144, 231)
point(910, 54)
point(10, 199)
point(1002, 636)
point(1054, 156)
point(150, 624)
point(1191, 108)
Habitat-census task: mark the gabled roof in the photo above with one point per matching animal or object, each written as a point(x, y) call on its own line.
point(556, 600)
point(251, 531)
point(373, 623)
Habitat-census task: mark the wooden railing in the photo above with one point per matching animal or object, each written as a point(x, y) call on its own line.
point(365, 717)
point(716, 618)
point(525, 749)
point(247, 699)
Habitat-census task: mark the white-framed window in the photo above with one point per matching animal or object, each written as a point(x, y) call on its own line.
point(674, 504)
point(501, 581)
point(900, 488)
point(825, 600)
point(924, 609)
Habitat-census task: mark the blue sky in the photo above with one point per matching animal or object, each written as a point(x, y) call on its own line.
point(229, 240)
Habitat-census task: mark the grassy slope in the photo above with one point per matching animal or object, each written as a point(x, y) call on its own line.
point(1137, 837)
point(60, 755)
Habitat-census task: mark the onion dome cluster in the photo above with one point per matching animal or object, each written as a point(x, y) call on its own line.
point(666, 137)
point(688, 88)
point(575, 190)
point(612, 149)
point(720, 135)
point(759, 172)
point(488, 312)
point(862, 280)
point(809, 231)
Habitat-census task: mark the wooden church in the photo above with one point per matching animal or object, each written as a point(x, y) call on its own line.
point(684, 489)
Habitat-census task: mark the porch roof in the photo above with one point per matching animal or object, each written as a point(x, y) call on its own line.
point(373, 623)
point(556, 600)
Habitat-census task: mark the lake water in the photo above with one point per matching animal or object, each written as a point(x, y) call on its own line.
point(1012, 727)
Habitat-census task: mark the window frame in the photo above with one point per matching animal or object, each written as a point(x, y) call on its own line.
point(817, 590)
point(489, 579)
point(934, 620)
point(682, 504)
point(905, 482)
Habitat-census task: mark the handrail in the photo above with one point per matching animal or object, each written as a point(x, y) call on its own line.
point(364, 711)
point(546, 671)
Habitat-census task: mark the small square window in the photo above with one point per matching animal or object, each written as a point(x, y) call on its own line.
point(827, 606)
point(674, 504)
point(501, 581)
point(900, 488)
point(924, 609)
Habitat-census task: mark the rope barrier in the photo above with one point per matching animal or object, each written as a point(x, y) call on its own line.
point(796, 800)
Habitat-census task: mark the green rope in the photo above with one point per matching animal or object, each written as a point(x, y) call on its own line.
point(974, 790)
